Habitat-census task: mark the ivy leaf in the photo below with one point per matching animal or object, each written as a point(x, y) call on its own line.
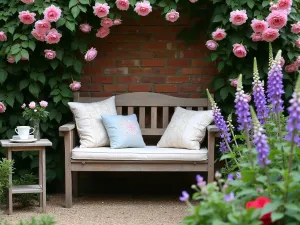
point(75, 12)
point(34, 89)
point(23, 84)
point(3, 76)
point(72, 3)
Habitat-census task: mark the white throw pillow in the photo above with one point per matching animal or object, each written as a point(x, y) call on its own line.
point(186, 129)
point(89, 124)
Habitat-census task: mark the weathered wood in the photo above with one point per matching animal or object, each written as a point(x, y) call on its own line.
point(130, 110)
point(67, 127)
point(119, 110)
point(69, 145)
point(165, 117)
point(16, 146)
point(142, 113)
point(212, 128)
point(189, 108)
point(211, 156)
point(153, 117)
point(26, 189)
point(9, 196)
point(153, 131)
point(43, 194)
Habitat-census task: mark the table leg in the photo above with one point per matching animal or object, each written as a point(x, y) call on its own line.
point(42, 179)
point(9, 196)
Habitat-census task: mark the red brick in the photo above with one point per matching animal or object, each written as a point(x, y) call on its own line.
point(211, 71)
point(92, 71)
point(152, 29)
point(163, 88)
point(196, 96)
point(198, 62)
point(129, 37)
point(102, 94)
point(85, 79)
point(119, 70)
point(167, 71)
point(113, 46)
point(178, 79)
point(179, 63)
point(104, 62)
point(115, 88)
point(140, 87)
point(154, 79)
point(91, 87)
point(179, 95)
point(176, 46)
point(103, 79)
point(192, 71)
point(191, 54)
point(128, 63)
point(129, 55)
point(127, 79)
point(154, 46)
point(153, 62)
point(189, 88)
point(140, 71)
point(165, 54)
point(85, 94)
point(165, 37)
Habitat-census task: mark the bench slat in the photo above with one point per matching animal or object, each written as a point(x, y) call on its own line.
point(200, 108)
point(189, 108)
point(119, 110)
point(153, 117)
point(165, 117)
point(142, 113)
point(130, 110)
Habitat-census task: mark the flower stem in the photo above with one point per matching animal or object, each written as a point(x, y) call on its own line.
point(290, 162)
point(280, 136)
point(231, 152)
point(249, 146)
point(268, 175)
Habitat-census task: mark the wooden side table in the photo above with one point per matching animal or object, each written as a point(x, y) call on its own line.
point(23, 189)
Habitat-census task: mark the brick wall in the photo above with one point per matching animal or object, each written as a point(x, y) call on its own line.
point(145, 55)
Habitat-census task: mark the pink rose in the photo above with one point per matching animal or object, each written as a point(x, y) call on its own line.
point(172, 16)
point(282, 61)
point(234, 82)
point(122, 4)
point(256, 37)
point(3, 36)
point(297, 61)
point(102, 32)
point(75, 86)
point(117, 22)
point(52, 13)
point(106, 22)
point(291, 68)
point(277, 19)
point(296, 28)
point(27, 1)
point(248, 97)
point(23, 106)
point(38, 36)
point(85, 28)
point(2, 107)
point(284, 4)
point(42, 26)
point(238, 17)
point(273, 7)
point(143, 8)
point(219, 34)
point(193, 1)
point(43, 104)
point(239, 50)
point(53, 36)
point(298, 43)
point(259, 25)
point(211, 45)
point(50, 54)
point(31, 105)
point(26, 17)
point(11, 59)
point(270, 34)
point(90, 54)
point(101, 10)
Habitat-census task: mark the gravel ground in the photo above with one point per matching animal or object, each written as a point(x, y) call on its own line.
point(109, 210)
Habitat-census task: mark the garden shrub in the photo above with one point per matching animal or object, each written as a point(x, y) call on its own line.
point(5, 170)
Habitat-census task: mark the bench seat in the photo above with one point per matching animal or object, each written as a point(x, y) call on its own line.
point(149, 153)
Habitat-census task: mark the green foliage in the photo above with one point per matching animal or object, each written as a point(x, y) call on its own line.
point(25, 199)
point(44, 220)
point(37, 113)
point(5, 170)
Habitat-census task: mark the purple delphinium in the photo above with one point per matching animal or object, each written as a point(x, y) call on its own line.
point(260, 141)
point(275, 85)
point(242, 108)
point(259, 96)
point(184, 197)
point(200, 181)
point(230, 177)
point(220, 123)
point(229, 198)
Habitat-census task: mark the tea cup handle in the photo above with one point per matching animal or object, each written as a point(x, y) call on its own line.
point(16, 130)
point(32, 130)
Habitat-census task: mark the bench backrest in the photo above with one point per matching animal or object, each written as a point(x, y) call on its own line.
point(153, 110)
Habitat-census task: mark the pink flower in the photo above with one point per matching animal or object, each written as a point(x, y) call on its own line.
point(85, 28)
point(256, 37)
point(239, 50)
point(3, 36)
point(282, 61)
point(53, 36)
point(122, 4)
point(172, 16)
point(298, 43)
point(102, 32)
point(23, 106)
point(259, 25)
point(296, 28)
point(117, 22)
point(284, 4)
point(238, 17)
point(42, 26)
point(27, 1)
point(38, 36)
point(31, 105)
point(26, 17)
point(11, 59)
point(291, 68)
point(193, 1)
point(270, 34)
point(297, 61)
point(277, 19)
point(50, 54)
point(75, 86)
point(219, 34)
point(43, 103)
point(143, 8)
point(2, 107)
point(273, 7)
point(52, 13)
point(211, 45)
point(106, 22)
point(101, 10)
point(234, 82)
point(248, 97)
point(90, 54)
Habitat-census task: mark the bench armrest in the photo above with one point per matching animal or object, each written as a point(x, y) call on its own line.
point(212, 129)
point(67, 127)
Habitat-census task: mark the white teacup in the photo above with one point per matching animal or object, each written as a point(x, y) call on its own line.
point(24, 131)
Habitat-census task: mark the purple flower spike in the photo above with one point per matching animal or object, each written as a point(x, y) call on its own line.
point(260, 141)
point(275, 85)
point(230, 177)
point(242, 108)
point(229, 198)
point(259, 96)
point(200, 181)
point(185, 196)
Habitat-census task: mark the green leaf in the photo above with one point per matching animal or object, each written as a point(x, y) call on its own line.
point(75, 11)
point(10, 100)
point(16, 36)
point(132, 2)
point(72, 3)
point(25, 54)
point(213, 56)
point(42, 78)
point(11, 29)
point(67, 93)
point(3, 76)
point(60, 22)
point(85, 2)
point(70, 26)
point(25, 44)
point(24, 84)
point(270, 207)
point(59, 54)
point(78, 67)
point(55, 92)
point(31, 45)
point(218, 83)
point(276, 216)
point(221, 66)
point(23, 37)
point(218, 18)
point(250, 3)
point(20, 97)
point(266, 3)
point(162, 4)
point(54, 63)
point(224, 92)
point(34, 89)
point(57, 98)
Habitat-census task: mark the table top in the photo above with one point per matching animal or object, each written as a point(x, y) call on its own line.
point(39, 143)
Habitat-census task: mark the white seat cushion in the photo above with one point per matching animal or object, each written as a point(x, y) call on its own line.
point(149, 153)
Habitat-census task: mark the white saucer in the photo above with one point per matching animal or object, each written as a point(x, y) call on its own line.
point(16, 138)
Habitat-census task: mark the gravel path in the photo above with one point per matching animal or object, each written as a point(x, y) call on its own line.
point(109, 210)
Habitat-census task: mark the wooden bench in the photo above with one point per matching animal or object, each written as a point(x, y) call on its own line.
point(154, 112)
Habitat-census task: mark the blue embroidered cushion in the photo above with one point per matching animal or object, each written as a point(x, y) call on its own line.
point(123, 131)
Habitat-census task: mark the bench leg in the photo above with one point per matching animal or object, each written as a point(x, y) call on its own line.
point(68, 173)
point(211, 157)
point(68, 188)
point(75, 177)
